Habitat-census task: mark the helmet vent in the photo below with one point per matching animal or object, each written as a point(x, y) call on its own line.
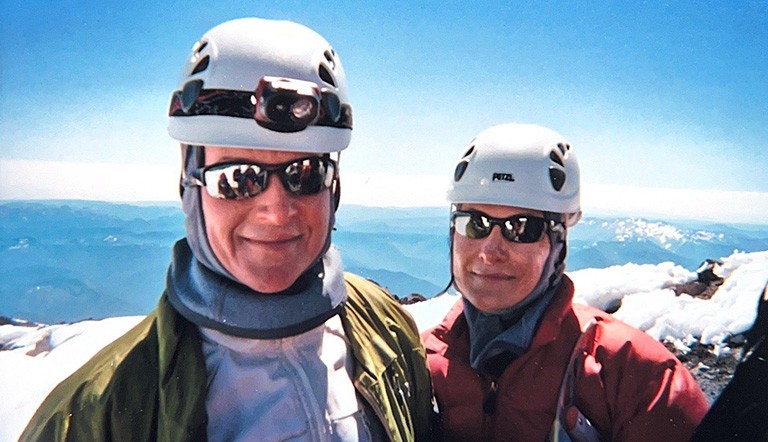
point(201, 65)
point(556, 158)
point(557, 178)
point(556, 172)
point(462, 166)
point(330, 55)
point(326, 76)
point(460, 169)
point(199, 46)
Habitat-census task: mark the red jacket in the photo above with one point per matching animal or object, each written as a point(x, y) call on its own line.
point(631, 389)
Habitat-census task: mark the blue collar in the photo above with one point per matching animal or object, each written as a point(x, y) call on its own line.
point(211, 300)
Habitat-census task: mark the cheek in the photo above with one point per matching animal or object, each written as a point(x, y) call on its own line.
point(537, 258)
point(217, 218)
point(315, 212)
point(455, 265)
point(461, 253)
point(320, 211)
point(210, 212)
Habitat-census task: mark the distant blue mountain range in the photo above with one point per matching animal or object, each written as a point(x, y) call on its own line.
point(73, 260)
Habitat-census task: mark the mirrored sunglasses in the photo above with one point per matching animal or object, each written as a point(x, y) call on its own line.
point(241, 180)
point(519, 228)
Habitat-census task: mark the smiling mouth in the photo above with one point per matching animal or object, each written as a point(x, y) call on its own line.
point(494, 276)
point(272, 242)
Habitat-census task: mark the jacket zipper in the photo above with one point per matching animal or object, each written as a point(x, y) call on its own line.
point(489, 409)
point(489, 403)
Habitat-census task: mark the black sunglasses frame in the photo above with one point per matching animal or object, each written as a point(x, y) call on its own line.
point(260, 177)
point(515, 234)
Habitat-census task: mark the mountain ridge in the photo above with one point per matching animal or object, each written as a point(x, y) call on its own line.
point(69, 260)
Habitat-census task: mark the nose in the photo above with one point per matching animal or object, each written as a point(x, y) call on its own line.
point(274, 205)
point(493, 248)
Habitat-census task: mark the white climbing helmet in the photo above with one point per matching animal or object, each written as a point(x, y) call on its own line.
point(522, 165)
point(262, 84)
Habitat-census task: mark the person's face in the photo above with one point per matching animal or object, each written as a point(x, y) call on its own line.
point(267, 241)
point(493, 273)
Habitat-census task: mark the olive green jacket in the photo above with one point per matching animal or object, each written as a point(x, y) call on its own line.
point(150, 384)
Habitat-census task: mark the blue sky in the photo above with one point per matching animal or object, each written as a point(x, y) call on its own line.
point(663, 96)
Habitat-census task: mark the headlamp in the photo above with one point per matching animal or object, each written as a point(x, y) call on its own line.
point(279, 104)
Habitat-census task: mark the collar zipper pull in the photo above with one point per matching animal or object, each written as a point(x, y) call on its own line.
point(489, 404)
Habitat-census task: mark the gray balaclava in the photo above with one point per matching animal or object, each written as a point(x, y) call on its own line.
point(204, 292)
point(223, 99)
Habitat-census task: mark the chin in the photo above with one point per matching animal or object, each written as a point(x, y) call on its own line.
point(491, 303)
point(276, 284)
point(268, 289)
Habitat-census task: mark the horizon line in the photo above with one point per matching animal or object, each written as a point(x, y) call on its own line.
point(598, 214)
point(20, 180)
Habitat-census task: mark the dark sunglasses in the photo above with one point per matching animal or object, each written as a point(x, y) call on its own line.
point(519, 228)
point(241, 180)
point(279, 104)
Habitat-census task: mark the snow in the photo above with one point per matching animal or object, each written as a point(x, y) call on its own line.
point(429, 313)
point(631, 229)
point(34, 359)
point(605, 287)
point(649, 305)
